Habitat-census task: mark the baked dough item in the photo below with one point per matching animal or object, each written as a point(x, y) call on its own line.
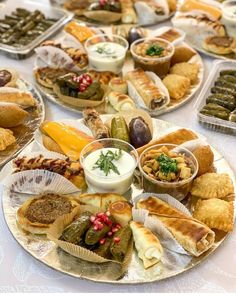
point(8, 77)
point(212, 185)
point(38, 213)
point(147, 244)
point(182, 54)
point(121, 211)
point(188, 70)
point(151, 94)
point(47, 76)
point(95, 124)
point(177, 137)
point(120, 102)
point(172, 5)
point(215, 213)
point(128, 13)
point(11, 115)
point(71, 170)
point(194, 236)
point(24, 99)
point(205, 158)
point(118, 84)
point(190, 5)
point(6, 138)
point(177, 85)
point(102, 77)
point(100, 200)
point(219, 44)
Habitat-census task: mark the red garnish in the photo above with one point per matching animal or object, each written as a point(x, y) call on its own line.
point(110, 233)
point(82, 87)
point(92, 218)
point(108, 213)
point(95, 227)
point(114, 229)
point(102, 241)
point(118, 226)
point(117, 239)
point(99, 215)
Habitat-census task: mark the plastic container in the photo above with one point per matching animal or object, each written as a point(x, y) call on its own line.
point(209, 122)
point(96, 179)
point(179, 189)
point(158, 65)
point(106, 52)
point(23, 52)
point(229, 16)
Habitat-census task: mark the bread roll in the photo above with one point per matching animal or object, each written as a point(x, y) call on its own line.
point(118, 84)
point(11, 115)
point(121, 211)
point(120, 102)
point(147, 244)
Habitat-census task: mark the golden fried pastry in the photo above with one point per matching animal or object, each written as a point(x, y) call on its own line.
point(219, 44)
point(118, 84)
point(182, 54)
point(188, 70)
point(212, 185)
point(195, 237)
point(205, 158)
point(121, 211)
point(24, 99)
point(215, 213)
point(172, 5)
point(102, 77)
point(11, 115)
point(38, 213)
point(177, 137)
point(6, 138)
point(100, 200)
point(147, 244)
point(50, 144)
point(177, 85)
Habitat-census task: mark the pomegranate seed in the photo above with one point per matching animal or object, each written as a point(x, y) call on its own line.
point(95, 227)
point(80, 78)
point(114, 229)
point(74, 78)
point(118, 226)
point(84, 81)
point(82, 87)
point(117, 239)
point(92, 218)
point(110, 233)
point(109, 223)
point(100, 215)
point(100, 226)
point(88, 78)
point(108, 213)
point(102, 241)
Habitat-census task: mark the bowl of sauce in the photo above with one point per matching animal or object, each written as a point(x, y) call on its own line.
point(106, 52)
point(109, 165)
point(152, 54)
point(229, 16)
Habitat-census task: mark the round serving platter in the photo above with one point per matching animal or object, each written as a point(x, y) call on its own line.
point(24, 134)
point(48, 253)
point(106, 108)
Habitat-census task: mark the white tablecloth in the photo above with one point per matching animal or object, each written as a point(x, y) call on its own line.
point(19, 272)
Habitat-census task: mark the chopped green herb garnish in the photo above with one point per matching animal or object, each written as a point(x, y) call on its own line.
point(105, 162)
point(154, 49)
point(105, 49)
point(167, 164)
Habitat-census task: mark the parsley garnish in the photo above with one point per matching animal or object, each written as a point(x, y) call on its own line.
point(154, 49)
point(167, 164)
point(105, 162)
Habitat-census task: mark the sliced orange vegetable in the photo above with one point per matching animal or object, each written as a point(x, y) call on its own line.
point(70, 139)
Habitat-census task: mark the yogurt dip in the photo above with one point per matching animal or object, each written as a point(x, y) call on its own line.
point(106, 55)
point(118, 181)
point(229, 17)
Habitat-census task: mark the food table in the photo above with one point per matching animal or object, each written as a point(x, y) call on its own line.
point(22, 273)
